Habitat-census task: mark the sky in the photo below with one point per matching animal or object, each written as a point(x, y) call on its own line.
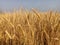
point(39, 4)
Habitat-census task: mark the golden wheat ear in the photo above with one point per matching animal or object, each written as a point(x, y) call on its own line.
point(8, 34)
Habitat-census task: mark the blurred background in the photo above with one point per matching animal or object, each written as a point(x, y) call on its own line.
point(43, 5)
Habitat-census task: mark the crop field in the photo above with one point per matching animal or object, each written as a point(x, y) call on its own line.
point(33, 27)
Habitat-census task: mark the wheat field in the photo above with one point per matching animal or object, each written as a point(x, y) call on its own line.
point(33, 27)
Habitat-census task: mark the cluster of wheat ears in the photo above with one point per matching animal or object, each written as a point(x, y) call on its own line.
point(30, 28)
